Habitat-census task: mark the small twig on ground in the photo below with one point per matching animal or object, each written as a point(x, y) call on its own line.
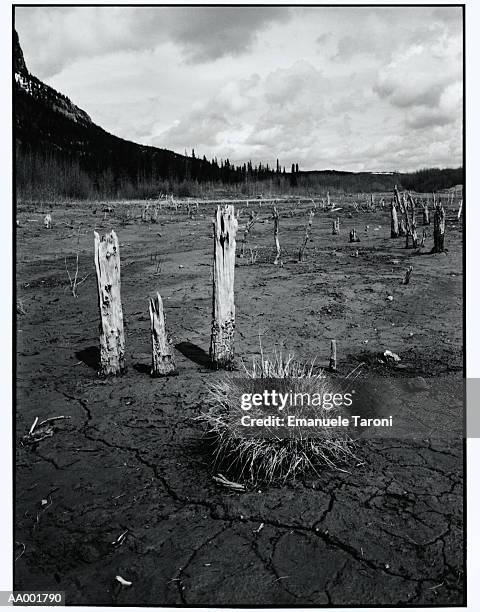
point(41, 431)
point(220, 479)
point(75, 282)
point(23, 550)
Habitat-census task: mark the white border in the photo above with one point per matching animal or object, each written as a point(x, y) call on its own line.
point(473, 289)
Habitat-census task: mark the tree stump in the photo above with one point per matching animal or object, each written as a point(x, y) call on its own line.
point(426, 213)
point(301, 251)
point(336, 227)
point(424, 237)
point(394, 230)
point(438, 229)
point(408, 274)
point(333, 356)
point(223, 306)
point(411, 222)
point(163, 363)
point(353, 236)
point(112, 339)
point(275, 236)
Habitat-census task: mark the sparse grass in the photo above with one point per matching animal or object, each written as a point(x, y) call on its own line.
point(272, 458)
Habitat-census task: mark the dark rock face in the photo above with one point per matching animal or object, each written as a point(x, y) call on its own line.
point(43, 93)
point(18, 59)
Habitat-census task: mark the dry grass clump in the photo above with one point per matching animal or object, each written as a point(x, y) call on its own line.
point(263, 456)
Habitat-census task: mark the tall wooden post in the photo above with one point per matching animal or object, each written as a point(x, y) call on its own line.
point(223, 306)
point(439, 228)
point(275, 235)
point(112, 339)
point(411, 222)
point(162, 356)
point(394, 232)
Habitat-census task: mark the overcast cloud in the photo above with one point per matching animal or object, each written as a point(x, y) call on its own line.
point(347, 88)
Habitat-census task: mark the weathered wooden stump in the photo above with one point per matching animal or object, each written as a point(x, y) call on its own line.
point(439, 228)
point(47, 221)
point(275, 236)
point(223, 306)
point(408, 274)
point(394, 230)
point(411, 222)
point(336, 227)
point(308, 228)
point(333, 356)
point(424, 237)
point(353, 236)
point(112, 339)
point(163, 363)
point(426, 213)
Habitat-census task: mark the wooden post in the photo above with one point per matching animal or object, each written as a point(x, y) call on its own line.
point(411, 222)
point(223, 306)
point(328, 199)
point(438, 228)
point(408, 274)
point(353, 236)
point(400, 200)
point(394, 232)
point(426, 213)
point(333, 356)
point(306, 236)
point(162, 357)
point(336, 227)
point(275, 236)
point(424, 237)
point(112, 339)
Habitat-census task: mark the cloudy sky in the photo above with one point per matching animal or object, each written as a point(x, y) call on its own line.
point(346, 88)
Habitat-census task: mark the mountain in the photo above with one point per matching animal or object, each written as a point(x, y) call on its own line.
point(53, 136)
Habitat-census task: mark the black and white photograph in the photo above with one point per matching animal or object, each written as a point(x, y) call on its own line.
point(239, 305)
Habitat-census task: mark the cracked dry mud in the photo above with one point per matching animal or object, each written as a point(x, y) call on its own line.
point(131, 456)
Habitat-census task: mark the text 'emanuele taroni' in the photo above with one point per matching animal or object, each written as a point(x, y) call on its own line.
point(296, 421)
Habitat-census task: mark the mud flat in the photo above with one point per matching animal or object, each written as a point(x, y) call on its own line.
point(124, 486)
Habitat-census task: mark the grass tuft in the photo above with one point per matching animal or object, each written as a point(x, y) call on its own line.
point(272, 458)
